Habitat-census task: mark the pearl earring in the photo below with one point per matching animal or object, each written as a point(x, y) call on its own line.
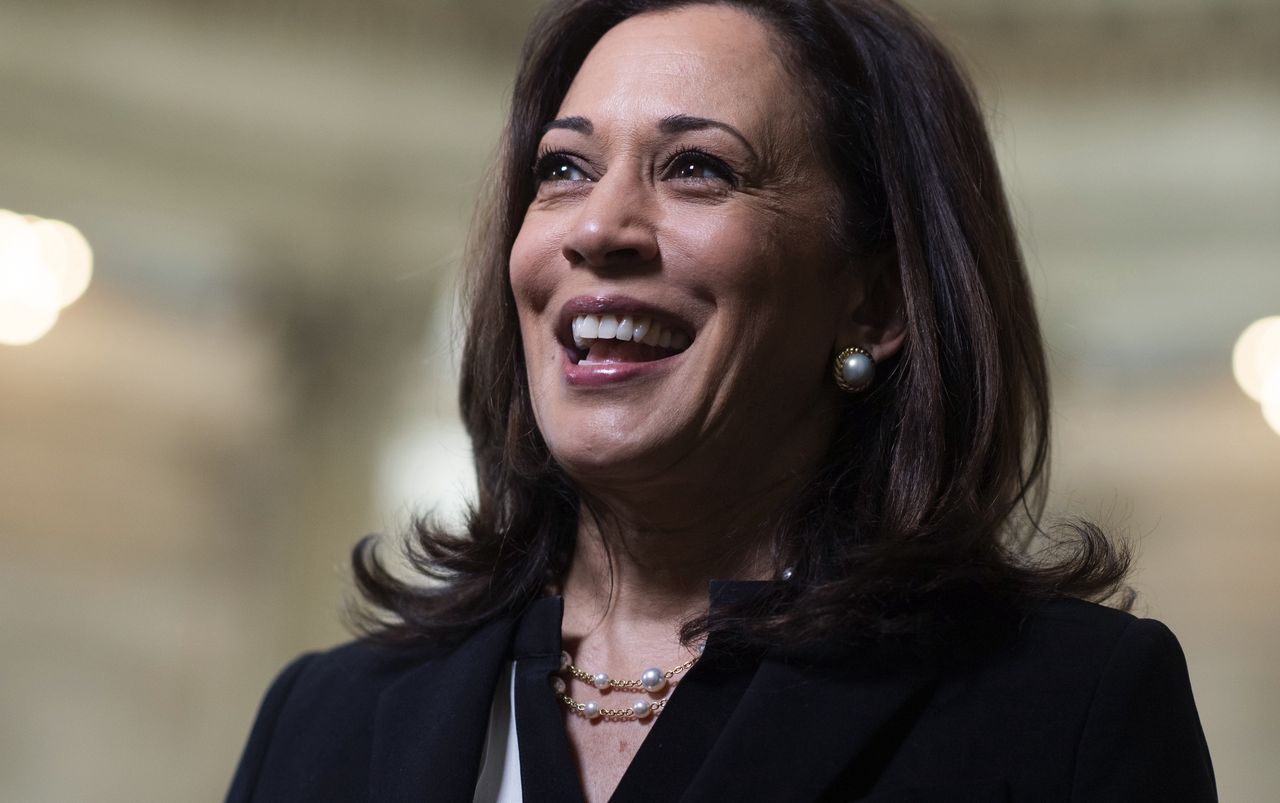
point(855, 369)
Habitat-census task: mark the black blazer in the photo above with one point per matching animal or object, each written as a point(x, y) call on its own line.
point(1085, 704)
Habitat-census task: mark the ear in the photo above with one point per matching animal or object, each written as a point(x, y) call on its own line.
point(876, 318)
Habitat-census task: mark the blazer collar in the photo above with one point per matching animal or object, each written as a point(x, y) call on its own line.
point(802, 727)
point(799, 726)
point(430, 725)
point(774, 727)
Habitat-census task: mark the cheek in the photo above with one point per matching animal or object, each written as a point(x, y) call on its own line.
point(778, 297)
point(534, 257)
point(726, 254)
point(744, 265)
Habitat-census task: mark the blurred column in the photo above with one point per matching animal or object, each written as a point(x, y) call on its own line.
point(350, 337)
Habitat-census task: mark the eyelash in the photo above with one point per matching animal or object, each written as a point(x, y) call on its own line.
point(716, 164)
point(549, 157)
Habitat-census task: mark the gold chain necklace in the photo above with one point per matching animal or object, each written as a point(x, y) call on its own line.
point(653, 680)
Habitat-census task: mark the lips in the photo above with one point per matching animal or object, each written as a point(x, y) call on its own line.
point(617, 328)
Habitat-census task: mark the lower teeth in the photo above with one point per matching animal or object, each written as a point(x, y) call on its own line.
point(616, 351)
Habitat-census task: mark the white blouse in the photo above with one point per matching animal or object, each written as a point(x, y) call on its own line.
point(499, 780)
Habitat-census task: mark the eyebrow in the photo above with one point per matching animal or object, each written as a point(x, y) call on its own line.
point(580, 124)
point(680, 123)
point(673, 124)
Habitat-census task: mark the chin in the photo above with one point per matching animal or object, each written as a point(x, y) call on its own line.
point(603, 452)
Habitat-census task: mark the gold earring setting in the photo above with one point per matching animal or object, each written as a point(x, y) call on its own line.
point(854, 369)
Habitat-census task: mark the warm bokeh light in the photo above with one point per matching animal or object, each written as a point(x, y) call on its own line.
point(1256, 357)
point(1271, 402)
point(44, 266)
point(28, 293)
point(66, 255)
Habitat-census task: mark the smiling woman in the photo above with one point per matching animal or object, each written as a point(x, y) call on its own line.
point(759, 411)
point(647, 214)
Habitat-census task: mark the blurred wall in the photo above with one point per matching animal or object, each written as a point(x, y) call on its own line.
point(262, 370)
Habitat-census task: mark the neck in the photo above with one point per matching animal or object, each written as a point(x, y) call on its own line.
point(649, 543)
point(636, 576)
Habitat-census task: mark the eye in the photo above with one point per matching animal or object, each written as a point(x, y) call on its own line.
point(696, 165)
point(558, 166)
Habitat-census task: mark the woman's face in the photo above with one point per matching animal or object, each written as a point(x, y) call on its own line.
point(683, 204)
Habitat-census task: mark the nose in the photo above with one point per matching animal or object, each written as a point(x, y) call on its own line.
point(614, 226)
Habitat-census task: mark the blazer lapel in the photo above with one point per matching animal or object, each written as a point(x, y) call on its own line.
point(799, 728)
point(430, 725)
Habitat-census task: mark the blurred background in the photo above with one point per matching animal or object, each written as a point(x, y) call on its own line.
point(262, 368)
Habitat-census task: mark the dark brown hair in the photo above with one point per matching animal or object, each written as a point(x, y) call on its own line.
point(919, 527)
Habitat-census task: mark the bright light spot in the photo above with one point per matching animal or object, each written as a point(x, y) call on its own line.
point(18, 242)
point(1256, 357)
point(1271, 402)
point(28, 293)
point(44, 266)
point(67, 255)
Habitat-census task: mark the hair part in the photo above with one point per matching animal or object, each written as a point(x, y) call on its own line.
point(922, 525)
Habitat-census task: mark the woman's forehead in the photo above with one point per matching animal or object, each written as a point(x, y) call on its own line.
point(708, 61)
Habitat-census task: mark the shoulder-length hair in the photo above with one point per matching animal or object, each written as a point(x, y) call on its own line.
point(919, 525)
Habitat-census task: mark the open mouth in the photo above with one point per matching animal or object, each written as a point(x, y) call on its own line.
point(623, 338)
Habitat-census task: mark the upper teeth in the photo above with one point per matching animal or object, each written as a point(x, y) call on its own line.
point(636, 328)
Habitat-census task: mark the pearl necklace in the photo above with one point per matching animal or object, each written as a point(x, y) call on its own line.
point(652, 680)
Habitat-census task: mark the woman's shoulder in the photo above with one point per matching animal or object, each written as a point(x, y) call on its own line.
point(360, 662)
point(364, 667)
point(338, 685)
point(1077, 641)
point(319, 708)
point(1090, 668)
point(1063, 658)
point(1123, 679)
point(1081, 697)
point(318, 728)
point(1096, 634)
point(1073, 613)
